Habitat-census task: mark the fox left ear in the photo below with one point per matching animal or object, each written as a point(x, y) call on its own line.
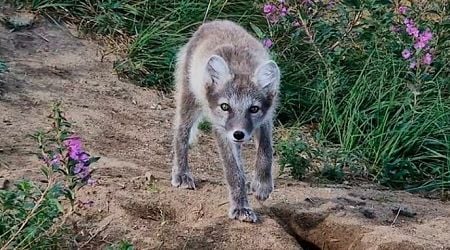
point(218, 70)
point(268, 76)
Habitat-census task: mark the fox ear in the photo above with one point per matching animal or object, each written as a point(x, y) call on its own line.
point(218, 70)
point(268, 76)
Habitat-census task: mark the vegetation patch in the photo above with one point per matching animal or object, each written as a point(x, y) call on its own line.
point(372, 75)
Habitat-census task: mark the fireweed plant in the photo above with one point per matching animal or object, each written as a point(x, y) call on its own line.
point(420, 52)
point(34, 215)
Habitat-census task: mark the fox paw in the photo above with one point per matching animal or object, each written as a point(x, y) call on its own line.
point(183, 180)
point(243, 214)
point(262, 189)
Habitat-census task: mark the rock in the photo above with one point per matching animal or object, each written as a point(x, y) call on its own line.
point(4, 183)
point(19, 21)
point(368, 212)
point(149, 177)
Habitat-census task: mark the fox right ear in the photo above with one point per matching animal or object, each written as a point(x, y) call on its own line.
point(268, 76)
point(217, 69)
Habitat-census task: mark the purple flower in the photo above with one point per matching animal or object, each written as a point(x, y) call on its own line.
point(406, 53)
point(267, 43)
point(74, 147)
point(84, 157)
point(408, 21)
point(296, 24)
point(412, 65)
point(427, 59)
point(423, 39)
point(269, 8)
point(56, 160)
point(284, 11)
point(80, 157)
point(419, 45)
point(412, 31)
point(79, 168)
point(426, 36)
point(411, 28)
point(331, 4)
point(402, 10)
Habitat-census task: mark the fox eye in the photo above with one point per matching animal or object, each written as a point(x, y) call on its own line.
point(254, 109)
point(225, 107)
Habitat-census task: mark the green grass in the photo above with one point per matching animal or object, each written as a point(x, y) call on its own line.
point(346, 76)
point(3, 66)
point(403, 134)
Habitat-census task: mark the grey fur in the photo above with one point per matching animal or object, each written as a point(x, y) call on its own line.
point(223, 64)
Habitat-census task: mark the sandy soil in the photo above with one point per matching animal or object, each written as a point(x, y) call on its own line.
point(130, 128)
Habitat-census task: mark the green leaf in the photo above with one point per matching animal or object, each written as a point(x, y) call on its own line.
point(69, 194)
point(382, 2)
point(93, 159)
point(257, 31)
point(57, 204)
point(353, 3)
point(45, 171)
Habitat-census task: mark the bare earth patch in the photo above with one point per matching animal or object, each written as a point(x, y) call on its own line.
point(130, 128)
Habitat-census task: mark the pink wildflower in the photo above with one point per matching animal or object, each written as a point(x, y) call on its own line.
point(427, 59)
point(402, 10)
point(406, 53)
point(426, 36)
point(284, 11)
point(269, 8)
point(267, 43)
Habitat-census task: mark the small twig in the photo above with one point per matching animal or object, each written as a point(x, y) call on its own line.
point(41, 36)
point(95, 234)
point(350, 26)
point(54, 229)
point(160, 245)
point(311, 38)
point(198, 211)
point(4, 163)
point(309, 199)
point(396, 216)
point(223, 203)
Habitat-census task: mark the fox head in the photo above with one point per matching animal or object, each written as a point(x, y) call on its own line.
point(240, 102)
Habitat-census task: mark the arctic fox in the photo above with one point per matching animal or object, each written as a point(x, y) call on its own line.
point(226, 75)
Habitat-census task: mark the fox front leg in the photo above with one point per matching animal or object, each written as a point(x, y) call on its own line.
point(187, 114)
point(235, 176)
point(262, 184)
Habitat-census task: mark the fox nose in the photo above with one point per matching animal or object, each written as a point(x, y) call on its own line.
point(238, 135)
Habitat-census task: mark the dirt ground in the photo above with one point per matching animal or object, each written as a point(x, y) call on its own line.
point(129, 127)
